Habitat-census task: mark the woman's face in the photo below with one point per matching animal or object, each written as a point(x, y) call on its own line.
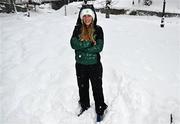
point(87, 19)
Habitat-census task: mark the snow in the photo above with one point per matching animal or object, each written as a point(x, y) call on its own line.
point(141, 63)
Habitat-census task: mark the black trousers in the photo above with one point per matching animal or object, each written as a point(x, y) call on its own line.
point(92, 73)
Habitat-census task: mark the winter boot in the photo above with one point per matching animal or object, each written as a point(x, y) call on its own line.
point(101, 110)
point(83, 108)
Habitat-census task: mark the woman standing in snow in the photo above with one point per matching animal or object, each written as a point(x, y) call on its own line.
point(87, 41)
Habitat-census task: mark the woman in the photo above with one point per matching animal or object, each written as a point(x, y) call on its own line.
point(87, 41)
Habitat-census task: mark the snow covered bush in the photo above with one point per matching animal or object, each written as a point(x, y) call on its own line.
point(147, 2)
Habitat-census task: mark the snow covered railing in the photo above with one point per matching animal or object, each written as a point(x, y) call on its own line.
point(138, 12)
point(35, 1)
point(29, 2)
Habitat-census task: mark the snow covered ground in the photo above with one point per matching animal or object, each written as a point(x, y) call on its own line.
point(141, 62)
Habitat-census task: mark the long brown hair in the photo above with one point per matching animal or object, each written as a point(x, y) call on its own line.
point(87, 33)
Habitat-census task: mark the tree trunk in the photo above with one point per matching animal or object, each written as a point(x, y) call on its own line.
point(13, 6)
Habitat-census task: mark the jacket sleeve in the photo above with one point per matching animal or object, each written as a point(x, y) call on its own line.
point(99, 42)
point(78, 45)
point(96, 48)
point(75, 41)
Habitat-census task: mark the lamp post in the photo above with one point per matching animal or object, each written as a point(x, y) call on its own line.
point(163, 14)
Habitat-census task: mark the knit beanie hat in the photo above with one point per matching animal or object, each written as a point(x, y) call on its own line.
point(87, 11)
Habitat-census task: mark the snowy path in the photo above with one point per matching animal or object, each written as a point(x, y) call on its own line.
point(38, 74)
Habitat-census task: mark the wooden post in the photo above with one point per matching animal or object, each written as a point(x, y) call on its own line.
point(163, 14)
point(107, 8)
point(171, 119)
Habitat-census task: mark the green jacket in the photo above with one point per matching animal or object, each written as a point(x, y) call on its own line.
point(85, 52)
